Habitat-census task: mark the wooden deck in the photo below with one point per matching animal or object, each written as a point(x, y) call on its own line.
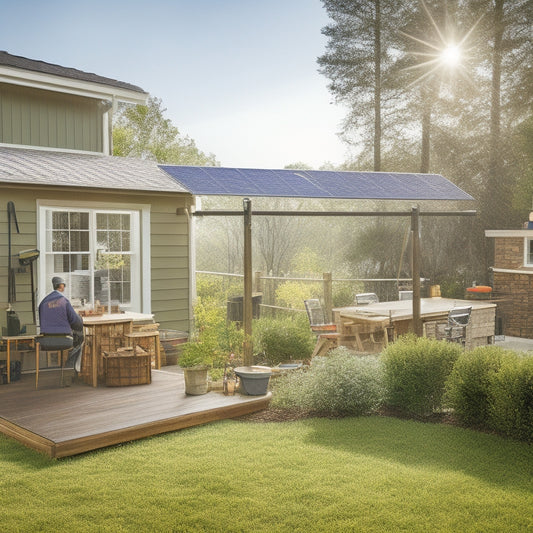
point(71, 420)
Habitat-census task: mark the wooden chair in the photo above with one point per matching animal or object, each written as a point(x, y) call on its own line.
point(326, 333)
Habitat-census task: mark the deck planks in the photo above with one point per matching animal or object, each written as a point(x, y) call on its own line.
point(71, 420)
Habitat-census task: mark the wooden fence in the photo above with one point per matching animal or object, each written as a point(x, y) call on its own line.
point(386, 289)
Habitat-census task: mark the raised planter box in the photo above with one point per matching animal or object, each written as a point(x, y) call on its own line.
point(125, 370)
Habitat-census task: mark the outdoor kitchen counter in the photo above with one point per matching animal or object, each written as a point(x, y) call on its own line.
point(373, 318)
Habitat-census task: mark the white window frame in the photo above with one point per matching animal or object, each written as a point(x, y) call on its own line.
point(527, 261)
point(144, 241)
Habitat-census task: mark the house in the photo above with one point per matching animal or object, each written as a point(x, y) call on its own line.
point(513, 279)
point(108, 225)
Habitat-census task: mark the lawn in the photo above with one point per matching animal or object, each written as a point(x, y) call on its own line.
point(351, 474)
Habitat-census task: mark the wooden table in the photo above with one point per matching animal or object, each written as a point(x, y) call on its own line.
point(361, 323)
point(15, 339)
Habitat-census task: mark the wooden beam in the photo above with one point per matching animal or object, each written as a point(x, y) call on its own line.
point(415, 233)
point(248, 276)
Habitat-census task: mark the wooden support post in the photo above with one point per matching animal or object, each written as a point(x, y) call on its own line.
point(415, 234)
point(328, 296)
point(247, 300)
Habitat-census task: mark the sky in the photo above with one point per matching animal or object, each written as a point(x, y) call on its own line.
point(238, 76)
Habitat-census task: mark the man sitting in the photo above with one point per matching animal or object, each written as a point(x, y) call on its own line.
point(60, 324)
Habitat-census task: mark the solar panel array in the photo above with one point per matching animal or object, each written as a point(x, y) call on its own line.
point(220, 181)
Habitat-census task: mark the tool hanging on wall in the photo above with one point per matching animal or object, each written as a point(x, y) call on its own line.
point(11, 290)
point(27, 257)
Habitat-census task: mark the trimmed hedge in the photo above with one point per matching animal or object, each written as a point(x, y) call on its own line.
point(468, 387)
point(493, 388)
point(416, 370)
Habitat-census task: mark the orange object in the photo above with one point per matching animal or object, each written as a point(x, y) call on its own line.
point(479, 288)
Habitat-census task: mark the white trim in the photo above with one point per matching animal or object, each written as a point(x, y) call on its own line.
point(509, 233)
point(513, 271)
point(49, 149)
point(527, 242)
point(105, 134)
point(144, 244)
point(50, 82)
point(146, 262)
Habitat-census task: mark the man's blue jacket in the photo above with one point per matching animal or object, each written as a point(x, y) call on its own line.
point(56, 315)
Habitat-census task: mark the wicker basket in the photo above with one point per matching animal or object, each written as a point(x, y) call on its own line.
point(123, 369)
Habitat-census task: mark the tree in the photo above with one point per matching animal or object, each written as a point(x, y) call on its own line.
point(142, 131)
point(358, 60)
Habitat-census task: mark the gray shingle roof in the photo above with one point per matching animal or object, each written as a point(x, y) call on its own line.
point(24, 63)
point(36, 167)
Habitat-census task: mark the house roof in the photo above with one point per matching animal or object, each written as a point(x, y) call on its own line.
point(314, 184)
point(42, 67)
point(40, 167)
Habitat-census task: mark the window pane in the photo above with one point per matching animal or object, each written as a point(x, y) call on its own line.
point(125, 241)
point(125, 221)
point(101, 221)
point(60, 220)
point(60, 241)
point(113, 221)
point(115, 244)
point(116, 292)
point(79, 220)
point(126, 269)
point(126, 293)
point(101, 240)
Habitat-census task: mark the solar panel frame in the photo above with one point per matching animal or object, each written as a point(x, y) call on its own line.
point(227, 181)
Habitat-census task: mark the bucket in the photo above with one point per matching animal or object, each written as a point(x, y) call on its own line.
point(195, 380)
point(254, 379)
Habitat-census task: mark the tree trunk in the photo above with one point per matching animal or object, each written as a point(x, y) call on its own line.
point(426, 130)
point(377, 87)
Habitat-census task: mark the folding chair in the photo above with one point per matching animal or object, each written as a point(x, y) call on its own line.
point(454, 330)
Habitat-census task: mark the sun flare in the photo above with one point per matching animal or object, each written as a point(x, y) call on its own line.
point(451, 55)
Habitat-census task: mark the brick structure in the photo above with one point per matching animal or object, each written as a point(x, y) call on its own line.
point(513, 281)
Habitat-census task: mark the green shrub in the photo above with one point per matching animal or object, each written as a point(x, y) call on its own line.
point(293, 293)
point(284, 340)
point(416, 370)
point(468, 386)
point(511, 398)
point(342, 383)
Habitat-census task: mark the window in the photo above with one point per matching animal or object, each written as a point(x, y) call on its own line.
point(97, 252)
point(528, 247)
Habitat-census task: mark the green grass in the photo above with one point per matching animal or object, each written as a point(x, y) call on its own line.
point(352, 474)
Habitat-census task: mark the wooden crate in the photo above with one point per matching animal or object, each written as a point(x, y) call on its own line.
point(124, 368)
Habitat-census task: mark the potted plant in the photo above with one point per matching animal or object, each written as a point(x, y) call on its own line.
point(196, 359)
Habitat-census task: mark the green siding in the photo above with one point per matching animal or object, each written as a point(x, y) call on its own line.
point(169, 251)
point(34, 117)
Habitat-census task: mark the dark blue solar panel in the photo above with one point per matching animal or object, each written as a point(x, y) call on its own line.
point(221, 181)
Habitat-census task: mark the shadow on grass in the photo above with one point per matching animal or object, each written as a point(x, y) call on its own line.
point(486, 457)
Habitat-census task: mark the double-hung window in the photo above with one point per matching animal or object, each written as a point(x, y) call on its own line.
point(528, 248)
point(97, 251)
